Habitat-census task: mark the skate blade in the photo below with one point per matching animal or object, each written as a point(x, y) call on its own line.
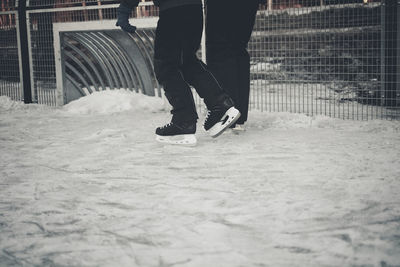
point(230, 117)
point(238, 129)
point(182, 139)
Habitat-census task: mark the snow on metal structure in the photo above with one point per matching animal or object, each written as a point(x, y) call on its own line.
point(93, 56)
point(66, 30)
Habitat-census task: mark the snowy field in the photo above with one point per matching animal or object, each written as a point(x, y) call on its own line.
point(87, 185)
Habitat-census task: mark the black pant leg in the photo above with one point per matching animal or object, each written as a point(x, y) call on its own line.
point(168, 53)
point(243, 84)
point(196, 72)
point(245, 29)
point(245, 24)
point(228, 30)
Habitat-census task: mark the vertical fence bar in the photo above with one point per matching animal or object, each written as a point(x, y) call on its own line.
point(382, 54)
point(398, 58)
point(20, 62)
point(28, 23)
point(59, 68)
point(392, 51)
point(22, 24)
point(203, 36)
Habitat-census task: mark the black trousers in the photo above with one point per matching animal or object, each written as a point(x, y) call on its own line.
point(228, 29)
point(178, 37)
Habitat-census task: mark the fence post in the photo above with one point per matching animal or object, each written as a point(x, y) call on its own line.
point(23, 36)
point(389, 55)
point(269, 5)
point(398, 54)
point(203, 36)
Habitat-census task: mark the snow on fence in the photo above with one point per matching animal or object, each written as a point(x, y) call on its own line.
point(340, 60)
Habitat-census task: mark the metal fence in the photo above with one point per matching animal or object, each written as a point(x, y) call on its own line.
point(338, 60)
point(10, 79)
point(331, 57)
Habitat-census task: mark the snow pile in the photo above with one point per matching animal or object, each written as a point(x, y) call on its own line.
point(266, 66)
point(9, 105)
point(6, 104)
point(114, 101)
point(287, 121)
point(373, 126)
point(283, 120)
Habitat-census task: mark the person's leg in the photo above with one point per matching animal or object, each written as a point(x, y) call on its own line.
point(244, 29)
point(243, 71)
point(243, 26)
point(196, 72)
point(167, 65)
point(229, 27)
point(220, 49)
point(222, 112)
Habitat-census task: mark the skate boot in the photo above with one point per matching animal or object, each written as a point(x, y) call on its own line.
point(221, 116)
point(177, 133)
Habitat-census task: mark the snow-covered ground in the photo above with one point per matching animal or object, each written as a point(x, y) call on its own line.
point(87, 185)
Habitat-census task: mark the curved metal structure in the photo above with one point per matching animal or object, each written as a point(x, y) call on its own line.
point(108, 59)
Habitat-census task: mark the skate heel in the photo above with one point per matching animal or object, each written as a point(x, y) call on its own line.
point(229, 118)
point(182, 139)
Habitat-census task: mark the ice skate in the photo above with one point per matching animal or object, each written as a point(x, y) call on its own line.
point(221, 117)
point(177, 134)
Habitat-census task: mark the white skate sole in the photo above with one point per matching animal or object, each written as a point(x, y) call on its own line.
point(229, 118)
point(182, 139)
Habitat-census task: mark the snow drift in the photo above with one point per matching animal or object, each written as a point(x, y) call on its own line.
point(114, 101)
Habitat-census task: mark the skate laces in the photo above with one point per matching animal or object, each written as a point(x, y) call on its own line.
point(166, 125)
point(208, 115)
point(169, 125)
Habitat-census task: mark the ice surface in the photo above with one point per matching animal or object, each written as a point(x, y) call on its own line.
point(87, 185)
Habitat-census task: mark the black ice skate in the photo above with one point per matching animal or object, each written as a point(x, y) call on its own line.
point(177, 134)
point(220, 117)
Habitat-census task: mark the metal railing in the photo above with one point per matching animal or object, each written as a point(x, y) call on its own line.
point(326, 59)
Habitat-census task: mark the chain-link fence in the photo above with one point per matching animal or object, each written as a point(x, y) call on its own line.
point(332, 57)
point(326, 58)
point(8, 5)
